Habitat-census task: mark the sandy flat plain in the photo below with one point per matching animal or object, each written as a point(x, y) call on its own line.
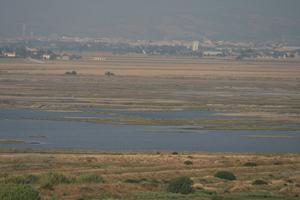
point(265, 89)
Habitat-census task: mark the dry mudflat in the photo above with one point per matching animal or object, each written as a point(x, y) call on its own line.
point(267, 90)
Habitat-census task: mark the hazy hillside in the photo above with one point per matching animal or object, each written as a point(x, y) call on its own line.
point(156, 19)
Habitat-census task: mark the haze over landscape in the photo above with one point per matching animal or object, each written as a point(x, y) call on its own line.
point(156, 19)
point(149, 99)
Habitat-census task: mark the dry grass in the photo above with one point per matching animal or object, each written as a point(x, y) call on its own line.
point(280, 171)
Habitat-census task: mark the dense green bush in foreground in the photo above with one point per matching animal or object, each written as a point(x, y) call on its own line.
point(18, 192)
point(181, 185)
point(225, 175)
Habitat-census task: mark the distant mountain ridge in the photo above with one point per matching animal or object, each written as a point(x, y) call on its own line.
point(156, 19)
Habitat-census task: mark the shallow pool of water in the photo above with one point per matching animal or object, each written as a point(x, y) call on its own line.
point(24, 125)
point(106, 137)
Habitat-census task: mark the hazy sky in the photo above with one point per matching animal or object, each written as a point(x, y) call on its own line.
point(154, 19)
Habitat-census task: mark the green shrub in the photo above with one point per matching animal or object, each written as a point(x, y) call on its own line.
point(175, 153)
point(225, 175)
point(250, 164)
point(52, 179)
point(53, 197)
point(90, 178)
point(183, 185)
point(188, 162)
point(217, 198)
point(259, 182)
point(18, 192)
point(153, 182)
point(47, 185)
point(57, 178)
point(25, 179)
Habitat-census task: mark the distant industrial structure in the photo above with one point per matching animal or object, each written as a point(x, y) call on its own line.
point(99, 58)
point(23, 30)
point(46, 56)
point(195, 46)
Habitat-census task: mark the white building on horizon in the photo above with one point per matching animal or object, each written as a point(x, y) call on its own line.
point(195, 46)
point(10, 54)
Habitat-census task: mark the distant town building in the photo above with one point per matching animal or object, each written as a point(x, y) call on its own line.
point(65, 57)
point(99, 58)
point(195, 46)
point(32, 50)
point(10, 54)
point(208, 43)
point(46, 57)
point(212, 53)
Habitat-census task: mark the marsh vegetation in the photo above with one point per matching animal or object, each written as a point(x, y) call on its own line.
point(91, 175)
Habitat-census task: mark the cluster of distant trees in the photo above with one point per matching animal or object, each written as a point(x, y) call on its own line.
point(120, 49)
point(127, 48)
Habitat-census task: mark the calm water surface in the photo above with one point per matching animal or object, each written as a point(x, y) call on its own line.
point(20, 125)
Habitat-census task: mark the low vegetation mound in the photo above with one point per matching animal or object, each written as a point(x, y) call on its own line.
point(188, 162)
point(225, 175)
point(109, 74)
point(259, 182)
point(182, 185)
point(130, 180)
point(71, 73)
point(250, 164)
point(18, 192)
